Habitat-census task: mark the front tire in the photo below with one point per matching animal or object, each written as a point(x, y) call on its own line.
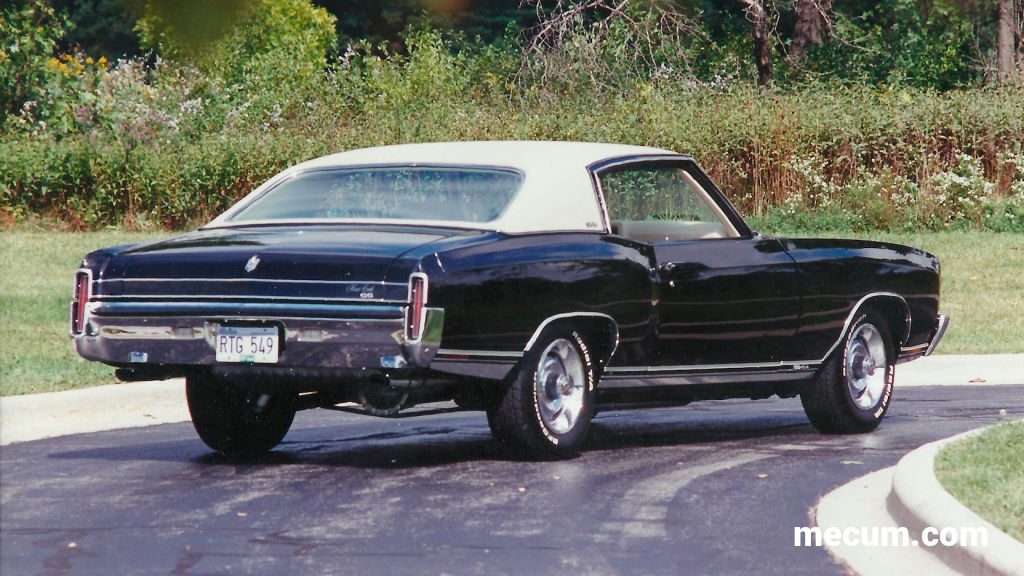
point(237, 421)
point(851, 393)
point(546, 410)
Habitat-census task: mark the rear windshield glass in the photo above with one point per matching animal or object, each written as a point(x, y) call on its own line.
point(388, 193)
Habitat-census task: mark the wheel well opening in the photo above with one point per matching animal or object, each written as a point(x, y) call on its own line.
point(600, 334)
point(896, 316)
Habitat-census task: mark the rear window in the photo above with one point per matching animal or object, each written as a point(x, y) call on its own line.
point(447, 194)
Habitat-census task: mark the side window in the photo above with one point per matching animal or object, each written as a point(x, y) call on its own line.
point(661, 202)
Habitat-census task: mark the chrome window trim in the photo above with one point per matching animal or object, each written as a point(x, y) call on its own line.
point(599, 168)
point(599, 191)
point(453, 224)
point(727, 224)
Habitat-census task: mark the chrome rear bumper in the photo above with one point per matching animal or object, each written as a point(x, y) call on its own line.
point(307, 342)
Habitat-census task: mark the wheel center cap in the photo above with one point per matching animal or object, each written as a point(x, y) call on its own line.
point(564, 384)
point(869, 365)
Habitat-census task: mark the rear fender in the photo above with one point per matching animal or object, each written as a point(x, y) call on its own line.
point(599, 331)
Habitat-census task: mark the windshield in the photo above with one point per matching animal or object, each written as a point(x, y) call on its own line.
point(448, 194)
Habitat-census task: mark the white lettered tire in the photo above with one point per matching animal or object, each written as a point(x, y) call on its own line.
point(548, 403)
point(852, 392)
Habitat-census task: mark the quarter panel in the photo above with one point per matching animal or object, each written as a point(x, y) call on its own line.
point(495, 295)
point(836, 274)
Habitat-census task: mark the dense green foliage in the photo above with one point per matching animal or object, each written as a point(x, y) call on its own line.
point(260, 44)
point(898, 43)
point(101, 28)
point(29, 35)
point(174, 140)
point(934, 43)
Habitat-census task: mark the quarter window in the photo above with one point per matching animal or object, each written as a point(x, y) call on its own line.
point(661, 203)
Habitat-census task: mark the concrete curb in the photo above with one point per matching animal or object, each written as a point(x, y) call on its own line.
point(860, 505)
point(110, 407)
point(918, 500)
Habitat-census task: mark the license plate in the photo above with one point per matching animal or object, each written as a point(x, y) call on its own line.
point(257, 345)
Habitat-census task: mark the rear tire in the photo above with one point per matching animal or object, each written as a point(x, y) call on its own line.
point(852, 391)
point(237, 421)
point(546, 409)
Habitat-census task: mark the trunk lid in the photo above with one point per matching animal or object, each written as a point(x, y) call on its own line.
point(329, 263)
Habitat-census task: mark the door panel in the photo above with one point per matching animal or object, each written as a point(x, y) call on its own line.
point(723, 296)
point(725, 301)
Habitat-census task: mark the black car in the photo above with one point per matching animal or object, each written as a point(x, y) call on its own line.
point(535, 281)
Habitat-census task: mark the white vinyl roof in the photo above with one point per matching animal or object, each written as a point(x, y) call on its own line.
point(557, 192)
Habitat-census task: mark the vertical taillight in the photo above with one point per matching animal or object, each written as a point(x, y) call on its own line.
point(417, 303)
point(82, 287)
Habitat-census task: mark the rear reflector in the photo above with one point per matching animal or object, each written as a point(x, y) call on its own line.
point(417, 304)
point(78, 304)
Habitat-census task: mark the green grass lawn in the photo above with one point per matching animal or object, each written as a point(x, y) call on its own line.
point(986, 474)
point(36, 281)
point(982, 287)
point(983, 290)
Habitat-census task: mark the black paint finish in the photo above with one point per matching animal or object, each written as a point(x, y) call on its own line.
point(684, 312)
point(726, 301)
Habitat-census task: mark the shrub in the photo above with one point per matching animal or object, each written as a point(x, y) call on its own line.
point(166, 143)
point(29, 32)
point(234, 39)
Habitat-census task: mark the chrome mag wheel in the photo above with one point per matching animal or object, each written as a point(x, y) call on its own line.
point(560, 386)
point(866, 366)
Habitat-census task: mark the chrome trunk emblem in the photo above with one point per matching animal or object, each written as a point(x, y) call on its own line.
point(252, 263)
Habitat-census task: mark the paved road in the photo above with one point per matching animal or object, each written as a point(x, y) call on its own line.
point(715, 487)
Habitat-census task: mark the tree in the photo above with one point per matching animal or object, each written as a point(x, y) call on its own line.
point(1020, 38)
point(813, 25)
point(1005, 51)
point(761, 35)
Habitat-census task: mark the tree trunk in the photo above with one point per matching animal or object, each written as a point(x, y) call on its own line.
point(1005, 50)
point(758, 17)
point(813, 25)
point(1019, 32)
